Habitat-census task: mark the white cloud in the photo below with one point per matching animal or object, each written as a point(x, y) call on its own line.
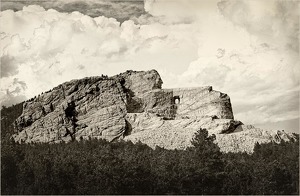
point(49, 47)
point(259, 62)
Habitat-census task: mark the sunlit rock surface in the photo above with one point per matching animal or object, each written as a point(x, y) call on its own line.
point(133, 106)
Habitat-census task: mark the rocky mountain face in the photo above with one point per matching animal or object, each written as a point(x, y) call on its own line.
point(133, 106)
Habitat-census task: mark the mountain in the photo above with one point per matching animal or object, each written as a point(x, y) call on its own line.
point(133, 106)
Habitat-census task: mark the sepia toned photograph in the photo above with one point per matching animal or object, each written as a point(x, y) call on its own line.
point(149, 97)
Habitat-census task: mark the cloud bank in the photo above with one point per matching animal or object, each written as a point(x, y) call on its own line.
point(119, 9)
point(248, 49)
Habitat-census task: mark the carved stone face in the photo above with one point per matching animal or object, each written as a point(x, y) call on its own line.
point(159, 82)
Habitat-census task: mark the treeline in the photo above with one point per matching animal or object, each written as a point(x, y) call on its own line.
point(99, 167)
point(8, 116)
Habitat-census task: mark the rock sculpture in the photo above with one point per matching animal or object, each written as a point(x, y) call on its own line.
point(133, 106)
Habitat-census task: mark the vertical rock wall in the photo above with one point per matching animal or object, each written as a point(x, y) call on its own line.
point(203, 101)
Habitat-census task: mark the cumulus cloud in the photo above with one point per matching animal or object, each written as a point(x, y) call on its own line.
point(272, 21)
point(252, 57)
point(12, 91)
point(49, 47)
point(248, 49)
point(8, 66)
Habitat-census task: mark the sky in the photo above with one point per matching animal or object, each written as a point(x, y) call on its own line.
point(248, 49)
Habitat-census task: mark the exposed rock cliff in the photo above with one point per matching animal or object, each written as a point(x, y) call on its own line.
point(133, 106)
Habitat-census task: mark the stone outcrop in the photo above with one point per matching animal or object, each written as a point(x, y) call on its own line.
point(133, 106)
point(231, 136)
point(80, 108)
